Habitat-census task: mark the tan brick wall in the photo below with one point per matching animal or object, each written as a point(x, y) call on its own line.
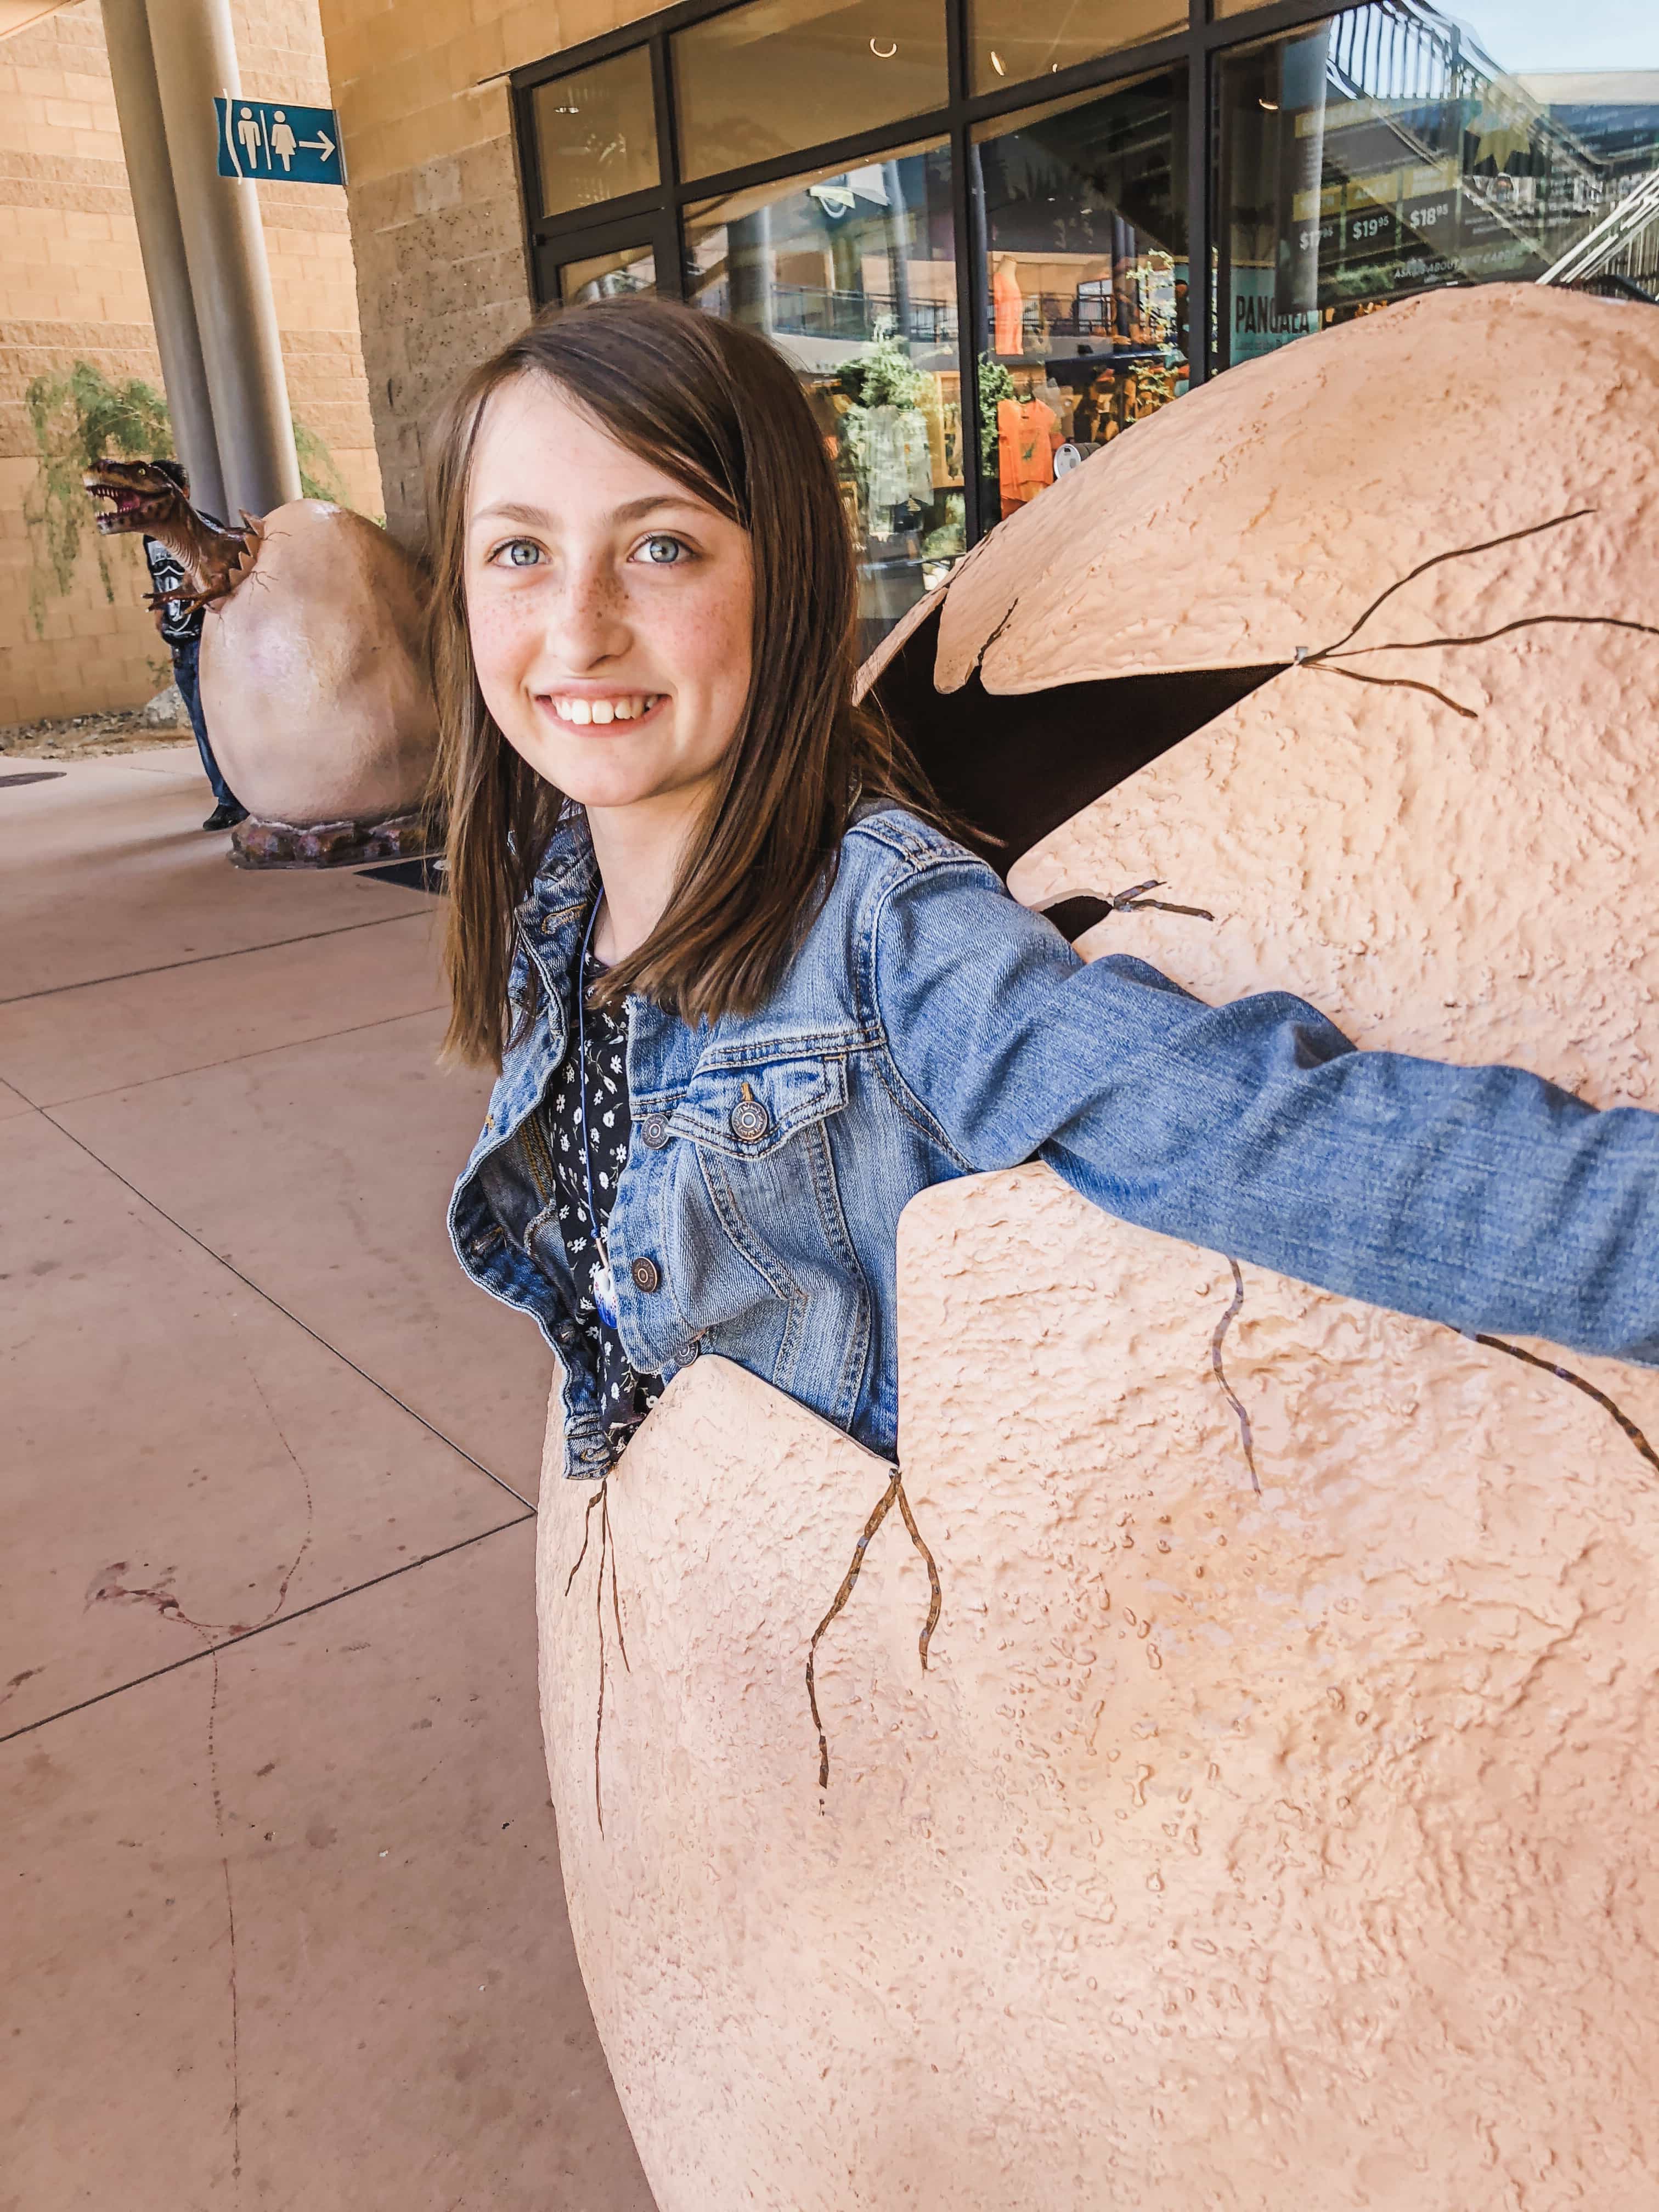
point(72, 288)
point(434, 197)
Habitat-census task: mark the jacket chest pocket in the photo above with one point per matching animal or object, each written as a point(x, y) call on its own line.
point(789, 1289)
point(753, 1114)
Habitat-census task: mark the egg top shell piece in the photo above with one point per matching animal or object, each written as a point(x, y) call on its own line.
point(1471, 885)
point(1260, 515)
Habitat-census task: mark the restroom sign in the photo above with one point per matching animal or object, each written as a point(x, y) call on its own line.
point(265, 138)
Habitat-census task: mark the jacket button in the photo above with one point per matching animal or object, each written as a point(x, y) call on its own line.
point(749, 1119)
point(646, 1275)
point(653, 1131)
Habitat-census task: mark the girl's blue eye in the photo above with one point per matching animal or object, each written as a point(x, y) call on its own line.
point(522, 553)
point(663, 552)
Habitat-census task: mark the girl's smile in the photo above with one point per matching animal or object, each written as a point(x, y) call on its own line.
point(584, 707)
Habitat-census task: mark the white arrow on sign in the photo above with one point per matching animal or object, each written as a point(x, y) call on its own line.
point(323, 145)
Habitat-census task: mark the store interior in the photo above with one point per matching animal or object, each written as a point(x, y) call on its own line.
point(1047, 257)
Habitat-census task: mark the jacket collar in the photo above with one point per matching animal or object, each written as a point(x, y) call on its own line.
point(569, 873)
point(551, 920)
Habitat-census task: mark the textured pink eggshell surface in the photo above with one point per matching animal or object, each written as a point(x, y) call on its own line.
point(1473, 890)
point(1272, 1826)
point(313, 673)
point(1260, 516)
point(1232, 1850)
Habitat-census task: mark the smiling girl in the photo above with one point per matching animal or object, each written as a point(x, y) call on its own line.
point(747, 997)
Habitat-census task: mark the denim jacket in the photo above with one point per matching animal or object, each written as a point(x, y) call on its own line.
point(930, 1026)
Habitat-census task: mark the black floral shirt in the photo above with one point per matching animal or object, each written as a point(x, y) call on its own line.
point(625, 1398)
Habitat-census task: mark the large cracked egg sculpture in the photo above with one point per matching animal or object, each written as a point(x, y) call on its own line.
point(1272, 1825)
point(315, 690)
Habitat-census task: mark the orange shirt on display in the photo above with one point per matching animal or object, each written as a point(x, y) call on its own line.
point(1027, 434)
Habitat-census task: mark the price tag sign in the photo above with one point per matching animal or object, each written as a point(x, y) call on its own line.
point(262, 139)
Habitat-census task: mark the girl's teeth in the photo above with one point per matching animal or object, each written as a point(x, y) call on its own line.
point(585, 711)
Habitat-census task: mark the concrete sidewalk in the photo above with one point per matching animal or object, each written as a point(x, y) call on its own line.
point(285, 1924)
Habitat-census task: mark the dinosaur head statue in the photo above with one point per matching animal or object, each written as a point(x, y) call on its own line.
point(145, 495)
point(151, 496)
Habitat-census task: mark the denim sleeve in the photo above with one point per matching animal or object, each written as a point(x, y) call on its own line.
point(1481, 1197)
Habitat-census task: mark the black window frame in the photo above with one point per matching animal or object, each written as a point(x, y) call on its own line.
point(658, 216)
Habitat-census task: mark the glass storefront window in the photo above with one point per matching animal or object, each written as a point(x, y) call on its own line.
point(1380, 153)
point(608, 275)
point(1085, 226)
point(1382, 149)
point(596, 134)
point(851, 274)
point(1009, 41)
point(780, 75)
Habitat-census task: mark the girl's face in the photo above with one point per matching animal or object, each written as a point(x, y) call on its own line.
point(608, 607)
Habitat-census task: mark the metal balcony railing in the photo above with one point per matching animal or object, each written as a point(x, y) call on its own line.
point(807, 311)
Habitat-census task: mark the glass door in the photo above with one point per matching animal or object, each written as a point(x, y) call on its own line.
point(605, 264)
point(851, 274)
point(1086, 282)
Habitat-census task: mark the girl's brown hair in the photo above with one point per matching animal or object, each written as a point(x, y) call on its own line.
point(715, 407)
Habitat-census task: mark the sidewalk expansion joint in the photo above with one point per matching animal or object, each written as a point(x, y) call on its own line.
point(236, 1059)
point(200, 959)
point(264, 1628)
point(288, 1313)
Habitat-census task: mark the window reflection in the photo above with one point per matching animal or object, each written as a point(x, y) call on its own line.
point(608, 275)
point(596, 133)
point(782, 75)
point(851, 274)
point(1009, 41)
point(1383, 152)
point(1085, 226)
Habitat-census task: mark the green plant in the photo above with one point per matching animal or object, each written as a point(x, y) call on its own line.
point(77, 418)
point(995, 384)
point(951, 538)
point(318, 476)
point(884, 375)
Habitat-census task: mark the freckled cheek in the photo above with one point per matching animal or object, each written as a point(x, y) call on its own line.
point(504, 637)
point(710, 645)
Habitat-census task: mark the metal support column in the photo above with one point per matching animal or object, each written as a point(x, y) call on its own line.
point(161, 244)
point(1200, 273)
point(195, 58)
point(968, 219)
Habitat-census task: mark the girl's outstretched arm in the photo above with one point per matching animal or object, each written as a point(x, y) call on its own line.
point(1481, 1197)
